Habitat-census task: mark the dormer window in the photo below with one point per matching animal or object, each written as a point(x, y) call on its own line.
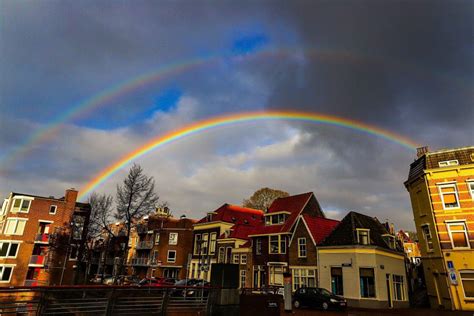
point(275, 219)
point(390, 240)
point(448, 163)
point(363, 236)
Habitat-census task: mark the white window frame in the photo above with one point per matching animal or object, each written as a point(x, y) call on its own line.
point(157, 238)
point(9, 242)
point(447, 185)
point(428, 249)
point(402, 284)
point(235, 258)
point(4, 207)
point(21, 198)
point(358, 235)
point(470, 187)
point(448, 163)
point(17, 219)
point(197, 240)
point(243, 278)
point(1, 273)
point(461, 279)
point(205, 244)
point(55, 209)
point(258, 246)
point(466, 235)
point(168, 256)
point(280, 250)
point(302, 242)
point(175, 240)
point(212, 243)
point(243, 259)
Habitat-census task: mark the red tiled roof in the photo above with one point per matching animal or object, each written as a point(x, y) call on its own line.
point(235, 214)
point(272, 229)
point(320, 227)
point(242, 231)
point(294, 203)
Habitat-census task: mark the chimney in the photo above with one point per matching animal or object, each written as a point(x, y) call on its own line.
point(71, 196)
point(420, 151)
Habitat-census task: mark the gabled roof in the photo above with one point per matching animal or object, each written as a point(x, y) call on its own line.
point(240, 231)
point(319, 227)
point(345, 233)
point(294, 204)
point(234, 214)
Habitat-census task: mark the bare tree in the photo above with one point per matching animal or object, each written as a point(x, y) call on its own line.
point(263, 198)
point(136, 197)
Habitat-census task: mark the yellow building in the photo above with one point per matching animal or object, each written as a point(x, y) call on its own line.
point(441, 187)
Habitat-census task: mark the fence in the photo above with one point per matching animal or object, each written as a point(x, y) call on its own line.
point(103, 300)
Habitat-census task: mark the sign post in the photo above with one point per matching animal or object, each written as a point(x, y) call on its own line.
point(287, 291)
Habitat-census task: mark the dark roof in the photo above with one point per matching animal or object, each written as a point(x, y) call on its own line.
point(38, 196)
point(294, 203)
point(345, 233)
point(430, 160)
point(320, 227)
point(234, 214)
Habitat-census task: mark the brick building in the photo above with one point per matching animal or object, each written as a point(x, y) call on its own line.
point(270, 241)
point(41, 239)
point(160, 246)
point(219, 234)
point(441, 188)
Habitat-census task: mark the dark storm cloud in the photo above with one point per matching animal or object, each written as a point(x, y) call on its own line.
point(408, 63)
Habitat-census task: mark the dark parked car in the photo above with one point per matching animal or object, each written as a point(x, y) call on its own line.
point(318, 298)
point(181, 283)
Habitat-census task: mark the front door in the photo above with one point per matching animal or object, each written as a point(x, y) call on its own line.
point(389, 293)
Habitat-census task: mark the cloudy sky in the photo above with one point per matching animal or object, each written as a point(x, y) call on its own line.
point(403, 66)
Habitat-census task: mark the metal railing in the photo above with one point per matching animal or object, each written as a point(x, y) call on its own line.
point(140, 261)
point(101, 300)
point(145, 244)
point(38, 259)
point(35, 283)
point(42, 238)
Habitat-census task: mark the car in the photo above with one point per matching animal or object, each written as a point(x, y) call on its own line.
point(129, 280)
point(156, 282)
point(185, 283)
point(97, 279)
point(318, 298)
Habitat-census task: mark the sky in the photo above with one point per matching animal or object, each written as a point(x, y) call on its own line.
point(404, 66)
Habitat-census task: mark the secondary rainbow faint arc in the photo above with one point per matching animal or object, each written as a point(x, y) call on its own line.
point(224, 120)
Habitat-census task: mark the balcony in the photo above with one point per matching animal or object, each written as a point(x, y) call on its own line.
point(38, 260)
point(145, 244)
point(42, 239)
point(141, 262)
point(142, 229)
point(36, 283)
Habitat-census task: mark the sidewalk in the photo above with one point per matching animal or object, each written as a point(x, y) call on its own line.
point(377, 312)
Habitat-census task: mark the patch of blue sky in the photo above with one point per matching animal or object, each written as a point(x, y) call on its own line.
point(249, 43)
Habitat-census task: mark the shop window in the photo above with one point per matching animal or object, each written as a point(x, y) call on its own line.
point(367, 282)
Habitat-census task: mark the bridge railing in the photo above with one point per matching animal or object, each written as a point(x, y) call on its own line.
point(104, 300)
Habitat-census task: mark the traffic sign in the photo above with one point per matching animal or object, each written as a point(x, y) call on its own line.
point(453, 277)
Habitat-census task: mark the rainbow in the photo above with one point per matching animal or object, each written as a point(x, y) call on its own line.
point(232, 119)
point(50, 130)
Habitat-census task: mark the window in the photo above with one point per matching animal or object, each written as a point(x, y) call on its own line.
point(390, 240)
point(277, 244)
point(157, 238)
point(21, 205)
point(427, 235)
point(303, 278)
point(53, 209)
point(276, 275)
point(367, 282)
point(221, 256)
point(448, 163)
point(212, 244)
point(470, 186)
point(449, 196)
point(4, 207)
point(78, 227)
point(73, 254)
point(243, 259)
point(8, 249)
point(467, 280)
point(458, 233)
point(301, 247)
point(363, 236)
point(336, 281)
point(275, 219)
point(398, 288)
point(15, 226)
point(204, 243)
point(236, 259)
point(5, 273)
point(258, 246)
point(173, 239)
point(197, 242)
point(243, 277)
point(171, 256)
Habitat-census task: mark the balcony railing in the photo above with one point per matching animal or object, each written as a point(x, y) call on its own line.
point(143, 262)
point(38, 259)
point(42, 238)
point(146, 244)
point(142, 229)
point(36, 283)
